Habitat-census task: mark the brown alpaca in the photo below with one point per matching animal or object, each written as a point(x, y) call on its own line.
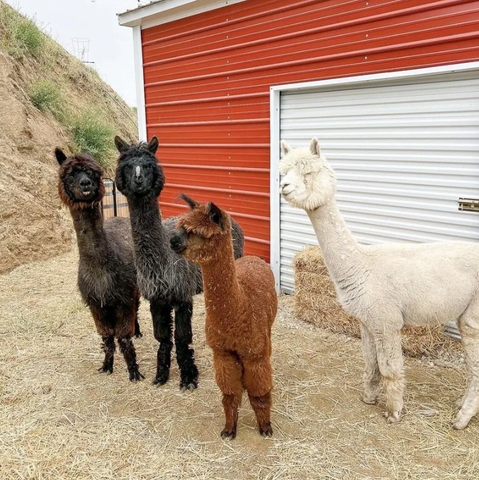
point(241, 306)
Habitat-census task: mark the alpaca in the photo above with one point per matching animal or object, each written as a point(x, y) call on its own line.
point(106, 270)
point(241, 306)
point(389, 285)
point(166, 279)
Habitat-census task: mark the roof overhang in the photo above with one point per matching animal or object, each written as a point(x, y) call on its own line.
point(164, 11)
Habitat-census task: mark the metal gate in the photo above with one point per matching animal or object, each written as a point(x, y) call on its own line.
point(114, 203)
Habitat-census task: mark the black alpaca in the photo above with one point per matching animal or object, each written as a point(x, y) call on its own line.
point(165, 278)
point(106, 271)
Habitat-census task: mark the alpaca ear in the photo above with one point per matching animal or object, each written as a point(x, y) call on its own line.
point(215, 214)
point(192, 203)
point(153, 145)
point(314, 147)
point(159, 181)
point(121, 145)
point(60, 156)
point(285, 147)
point(120, 184)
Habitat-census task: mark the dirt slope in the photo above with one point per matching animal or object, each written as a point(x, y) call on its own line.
point(33, 226)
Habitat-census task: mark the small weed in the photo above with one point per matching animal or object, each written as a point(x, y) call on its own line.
point(92, 134)
point(46, 96)
point(29, 36)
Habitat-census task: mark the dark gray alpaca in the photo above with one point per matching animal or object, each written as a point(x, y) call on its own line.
point(106, 271)
point(165, 278)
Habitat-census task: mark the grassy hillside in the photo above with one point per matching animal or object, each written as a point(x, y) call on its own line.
point(48, 98)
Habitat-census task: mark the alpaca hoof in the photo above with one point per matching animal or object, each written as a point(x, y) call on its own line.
point(267, 431)
point(108, 369)
point(189, 383)
point(136, 376)
point(227, 433)
point(460, 423)
point(393, 417)
point(189, 379)
point(369, 399)
point(190, 387)
point(161, 378)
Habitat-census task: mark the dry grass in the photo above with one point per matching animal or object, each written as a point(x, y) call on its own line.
point(316, 302)
point(60, 419)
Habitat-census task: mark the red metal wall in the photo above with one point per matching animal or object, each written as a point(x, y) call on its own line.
point(207, 80)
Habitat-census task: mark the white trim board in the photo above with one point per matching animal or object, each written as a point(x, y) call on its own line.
point(274, 197)
point(140, 84)
point(363, 79)
point(165, 11)
point(353, 82)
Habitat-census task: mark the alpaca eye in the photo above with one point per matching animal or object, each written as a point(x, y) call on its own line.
point(195, 234)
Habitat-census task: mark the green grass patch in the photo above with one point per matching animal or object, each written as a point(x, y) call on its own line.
point(29, 36)
point(92, 134)
point(46, 96)
point(19, 34)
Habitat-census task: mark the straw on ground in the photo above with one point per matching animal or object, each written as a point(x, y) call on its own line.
point(61, 419)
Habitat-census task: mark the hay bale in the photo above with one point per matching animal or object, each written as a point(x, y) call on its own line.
point(316, 303)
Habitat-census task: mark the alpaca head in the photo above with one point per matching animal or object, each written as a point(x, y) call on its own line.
point(80, 183)
point(138, 174)
point(200, 231)
point(308, 181)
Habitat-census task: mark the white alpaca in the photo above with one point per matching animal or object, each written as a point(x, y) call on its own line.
point(387, 286)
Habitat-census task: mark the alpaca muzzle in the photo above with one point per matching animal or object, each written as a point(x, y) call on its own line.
point(178, 243)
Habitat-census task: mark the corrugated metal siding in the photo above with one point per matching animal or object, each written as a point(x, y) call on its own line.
point(403, 155)
point(207, 80)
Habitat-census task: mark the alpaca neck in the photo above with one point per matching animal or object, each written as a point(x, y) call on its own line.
point(220, 283)
point(149, 235)
point(340, 250)
point(91, 238)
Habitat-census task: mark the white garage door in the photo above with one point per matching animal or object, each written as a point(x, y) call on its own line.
point(404, 152)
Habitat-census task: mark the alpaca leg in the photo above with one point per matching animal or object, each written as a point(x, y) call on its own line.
point(469, 328)
point(138, 333)
point(162, 326)
point(228, 373)
point(125, 328)
point(103, 319)
point(128, 350)
point(108, 346)
point(136, 306)
point(391, 366)
point(262, 408)
point(371, 376)
point(258, 381)
point(184, 354)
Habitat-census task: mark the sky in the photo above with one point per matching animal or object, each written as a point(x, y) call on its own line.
point(110, 46)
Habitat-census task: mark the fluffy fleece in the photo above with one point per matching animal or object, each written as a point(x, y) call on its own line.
point(241, 306)
point(389, 285)
point(165, 278)
point(106, 270)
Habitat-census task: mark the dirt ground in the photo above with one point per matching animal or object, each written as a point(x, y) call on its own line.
point(60, 419)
